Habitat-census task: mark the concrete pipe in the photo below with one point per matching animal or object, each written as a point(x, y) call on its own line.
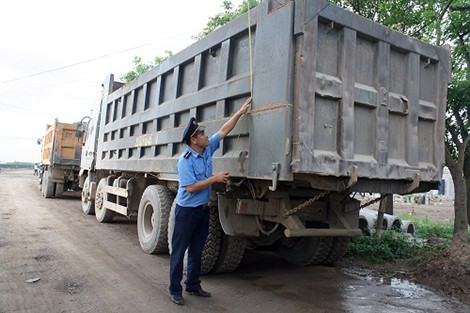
point(408, 227)
point(393, 222)
point(368, 219)
point(364, 226)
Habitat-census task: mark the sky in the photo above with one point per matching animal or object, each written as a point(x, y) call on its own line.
point(55, 54)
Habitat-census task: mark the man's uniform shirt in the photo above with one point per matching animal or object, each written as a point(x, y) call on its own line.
point(193, 168)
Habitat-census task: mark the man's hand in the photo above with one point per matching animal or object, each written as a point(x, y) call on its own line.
point(230, 124)
point(245, 106)
point(221, 177)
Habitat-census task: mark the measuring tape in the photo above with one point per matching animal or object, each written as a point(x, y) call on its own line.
point(251, 51)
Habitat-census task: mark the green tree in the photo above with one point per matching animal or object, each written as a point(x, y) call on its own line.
point(438, 21)
point(228, 14)
point(457, 150)
point(411, 17)
point(139, 68)
point(458, 109)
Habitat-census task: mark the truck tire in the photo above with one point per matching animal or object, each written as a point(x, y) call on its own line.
point(338, 249)
point(43, 184)
point(211, 249)
point(48, 185)
point(231, 254)
point(171, 224)
point(305, 250)
point(102, 215)
point(88, 204)
point(152, 219)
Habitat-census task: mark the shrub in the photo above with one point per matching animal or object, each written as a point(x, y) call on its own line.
point(425, 228)
point(390, 246)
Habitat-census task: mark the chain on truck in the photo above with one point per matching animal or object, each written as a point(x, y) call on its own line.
point(340, 105)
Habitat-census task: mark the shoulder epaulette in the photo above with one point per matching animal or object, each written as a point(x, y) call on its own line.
point(187, 154)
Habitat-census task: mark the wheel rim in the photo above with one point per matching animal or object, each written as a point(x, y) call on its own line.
point(85, 193)
point(306, 250)
point(99, 200)
point(148, 220)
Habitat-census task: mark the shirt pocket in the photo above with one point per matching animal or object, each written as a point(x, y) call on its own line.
point(200, 173)
point(209, 168)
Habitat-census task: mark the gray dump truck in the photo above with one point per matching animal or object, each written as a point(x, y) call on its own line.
point(340, 105)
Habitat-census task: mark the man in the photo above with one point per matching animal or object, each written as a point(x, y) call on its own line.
point(36, 169)
point(191, 212)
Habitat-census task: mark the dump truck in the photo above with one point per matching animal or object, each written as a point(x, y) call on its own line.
point(60, 160)
point(340, 105)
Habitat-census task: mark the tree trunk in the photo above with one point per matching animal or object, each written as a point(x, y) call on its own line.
point(468, 200)
point(466, 173)
point(460, 235)
point(460, 202)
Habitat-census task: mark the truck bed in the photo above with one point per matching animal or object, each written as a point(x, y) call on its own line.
point(60, 145)
point(334, 96)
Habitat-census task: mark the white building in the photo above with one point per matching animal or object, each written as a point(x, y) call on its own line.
point(448, 188)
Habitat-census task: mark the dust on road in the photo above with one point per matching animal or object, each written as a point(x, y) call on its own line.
point(82, 266)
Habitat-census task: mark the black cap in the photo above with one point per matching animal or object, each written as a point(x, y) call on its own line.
point(191, 130)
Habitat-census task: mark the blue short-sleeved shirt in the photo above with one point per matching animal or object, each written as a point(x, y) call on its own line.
point(192, 168)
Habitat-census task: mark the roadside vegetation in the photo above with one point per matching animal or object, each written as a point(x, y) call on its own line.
point(15, 165)
point(430, 239)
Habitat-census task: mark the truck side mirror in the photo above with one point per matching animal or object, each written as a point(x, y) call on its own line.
point(79, 130)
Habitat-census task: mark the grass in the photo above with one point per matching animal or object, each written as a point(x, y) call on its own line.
point(393, 245)
point(390, 246)
point(425, 228)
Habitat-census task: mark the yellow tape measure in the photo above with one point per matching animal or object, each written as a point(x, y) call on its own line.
point(251, 50)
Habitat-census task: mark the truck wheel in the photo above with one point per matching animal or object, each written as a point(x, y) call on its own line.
point(305, 250)
point(338, 249)
point(211, 249)
point(102, 215)
point(152, 219)
point(48, 185)
point(40, 180)
point(88, 204)
point(230, 255)
point(171, 225)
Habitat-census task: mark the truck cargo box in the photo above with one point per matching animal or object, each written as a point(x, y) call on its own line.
point(332, 91)
point(60, 159)
point(60, 145)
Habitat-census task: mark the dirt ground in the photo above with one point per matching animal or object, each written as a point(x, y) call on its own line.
point(54, 258)
point(447, 271)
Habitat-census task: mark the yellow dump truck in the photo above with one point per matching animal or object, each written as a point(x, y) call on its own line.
point(60, 160)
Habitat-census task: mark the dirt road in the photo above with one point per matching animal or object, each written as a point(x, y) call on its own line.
point(82, 266)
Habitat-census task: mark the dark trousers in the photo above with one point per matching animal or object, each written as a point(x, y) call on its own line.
point(190, 232)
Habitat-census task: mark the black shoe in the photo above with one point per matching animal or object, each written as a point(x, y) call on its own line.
point(177, 299)
point(199, 293)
